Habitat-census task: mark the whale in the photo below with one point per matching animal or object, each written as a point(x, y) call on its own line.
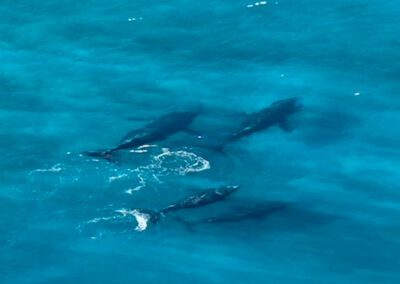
point(202, 198)
point(274, 115)
point(158, 130)
point(258, 212)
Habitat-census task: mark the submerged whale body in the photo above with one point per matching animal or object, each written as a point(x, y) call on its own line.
point(276, 114)
point(259, 212)
point(155, 131)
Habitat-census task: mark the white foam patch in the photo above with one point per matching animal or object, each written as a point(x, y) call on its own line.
point(255, 4)
point(120, 176)
point(55, 168)
point(181, 162)
point(63, 173)
point(99, 219)
point(142, 149)
point(142, 219)
point(130, 191)
point(135, 19)
point(165, 164)
point(124, 212)
point(144, 174)
point(147, 146)
point(138, 151)
point(159, 165)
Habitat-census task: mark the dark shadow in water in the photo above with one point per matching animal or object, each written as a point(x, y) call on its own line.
point(257, 216)
point(327, 127)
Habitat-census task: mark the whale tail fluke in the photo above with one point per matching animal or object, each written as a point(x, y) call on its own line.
point(106, 155)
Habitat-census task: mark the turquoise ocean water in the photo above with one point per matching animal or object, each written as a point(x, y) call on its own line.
point(79, 75)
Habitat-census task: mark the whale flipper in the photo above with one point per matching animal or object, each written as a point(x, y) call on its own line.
point(285, 126)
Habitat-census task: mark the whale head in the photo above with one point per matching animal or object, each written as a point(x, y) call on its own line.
point(288, 106)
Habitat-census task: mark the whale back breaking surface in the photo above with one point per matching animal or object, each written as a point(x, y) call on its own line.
point(158, 130)
point(201, 199)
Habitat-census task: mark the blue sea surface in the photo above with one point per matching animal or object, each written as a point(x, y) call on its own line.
point(77, 76)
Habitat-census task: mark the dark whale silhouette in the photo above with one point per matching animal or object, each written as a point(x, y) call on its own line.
point(157, 130)
point(276, 114)
point(203, 198)
point(258, 212)
point(197, 200)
